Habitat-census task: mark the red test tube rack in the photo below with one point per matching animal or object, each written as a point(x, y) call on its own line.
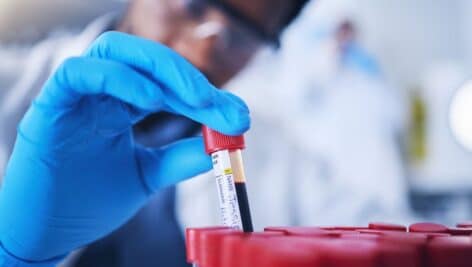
point(375, 245)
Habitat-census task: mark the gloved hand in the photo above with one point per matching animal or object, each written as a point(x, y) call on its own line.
point(76, 174)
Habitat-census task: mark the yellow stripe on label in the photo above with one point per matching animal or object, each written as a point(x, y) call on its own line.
point(228, 171)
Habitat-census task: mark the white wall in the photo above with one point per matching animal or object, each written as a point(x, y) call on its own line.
point(411, 35)
point(467, 30)
point(27, 20)
point(408, 36)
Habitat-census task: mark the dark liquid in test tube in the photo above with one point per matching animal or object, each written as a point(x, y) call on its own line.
point(244, 209)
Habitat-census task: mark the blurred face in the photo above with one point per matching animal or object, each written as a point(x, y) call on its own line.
point(218, 38)
point(345, 34)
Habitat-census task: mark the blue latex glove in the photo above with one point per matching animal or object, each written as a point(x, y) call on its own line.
point(76, 174)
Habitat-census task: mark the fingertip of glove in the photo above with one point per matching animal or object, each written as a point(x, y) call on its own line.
point(234, 124)
point(237, 101)
point(236, 114)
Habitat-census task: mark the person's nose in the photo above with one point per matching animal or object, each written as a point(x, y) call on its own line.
point(209, 30)
point(200, 46)
point(209, 40)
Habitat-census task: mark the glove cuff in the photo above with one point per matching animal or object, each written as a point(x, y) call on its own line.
point(8, 260)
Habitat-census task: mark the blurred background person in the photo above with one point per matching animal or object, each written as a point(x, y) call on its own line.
point(218, 37)
point(349, 118)
point(424, 60)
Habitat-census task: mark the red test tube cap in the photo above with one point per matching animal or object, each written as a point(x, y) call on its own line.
point(387, 227)
point(345, 228)
point(303, 231)
point(460, 231)
point(450, 251)
point(391, 254)
point(237, 250)
point(192, 241)
point(211, 246)
point(352, 253)
point(284, 256)
point(465, 224)
point(215, 141)
point(428, 228)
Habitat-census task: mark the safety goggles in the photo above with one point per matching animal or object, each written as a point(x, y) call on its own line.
point(241, 32)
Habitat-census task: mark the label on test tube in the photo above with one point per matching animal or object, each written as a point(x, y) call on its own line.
point(229, 207)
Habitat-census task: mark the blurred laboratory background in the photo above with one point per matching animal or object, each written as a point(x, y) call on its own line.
point(369, 81)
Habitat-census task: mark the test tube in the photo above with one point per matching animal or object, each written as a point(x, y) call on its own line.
point(228, 167)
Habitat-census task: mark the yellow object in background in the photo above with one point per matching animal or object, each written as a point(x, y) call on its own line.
point(417, 148)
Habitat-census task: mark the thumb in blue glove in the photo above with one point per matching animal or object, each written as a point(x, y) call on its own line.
point(75, 173)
